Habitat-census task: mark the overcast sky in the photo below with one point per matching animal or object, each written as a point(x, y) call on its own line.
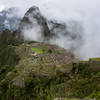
point(85, 11)
point(56, 6)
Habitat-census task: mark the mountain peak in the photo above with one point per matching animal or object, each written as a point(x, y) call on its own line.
point(33, 10)
point(32, 20)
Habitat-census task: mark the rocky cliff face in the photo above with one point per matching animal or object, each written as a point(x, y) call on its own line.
point(48, 29)
point(57, 28)
point(33, 19)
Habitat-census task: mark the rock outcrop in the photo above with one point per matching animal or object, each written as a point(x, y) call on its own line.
point(33, 19)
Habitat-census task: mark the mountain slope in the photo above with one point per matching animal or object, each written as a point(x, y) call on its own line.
point(33, 20)
point(35, 70)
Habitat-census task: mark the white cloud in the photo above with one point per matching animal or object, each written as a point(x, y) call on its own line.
point(1, 7)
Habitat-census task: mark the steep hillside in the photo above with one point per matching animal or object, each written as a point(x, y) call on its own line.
point(39, 71)
point(34, 20)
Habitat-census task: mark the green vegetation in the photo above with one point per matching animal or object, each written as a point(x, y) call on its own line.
point(58, 85)
point(8, 56)
point(44, 77)
point(38, 50)
point(95, 59)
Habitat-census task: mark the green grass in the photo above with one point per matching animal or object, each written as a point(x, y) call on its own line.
point(67, 99)
point(83, 62)
point(38, 50)
point(95, 59)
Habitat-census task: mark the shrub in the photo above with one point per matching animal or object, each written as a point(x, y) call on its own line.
point(95, 95)
point(29, 83)
point(50, 51)
point(4, 86)
point(82, 88)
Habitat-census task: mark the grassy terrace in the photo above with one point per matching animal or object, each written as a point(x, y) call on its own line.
point(38, 50)
point(95, 59)
point(71, 99)
point(83, 62)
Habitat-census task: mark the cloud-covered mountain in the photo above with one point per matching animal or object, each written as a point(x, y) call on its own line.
point(34, 26)
point(9, 19)
point(85, 12)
